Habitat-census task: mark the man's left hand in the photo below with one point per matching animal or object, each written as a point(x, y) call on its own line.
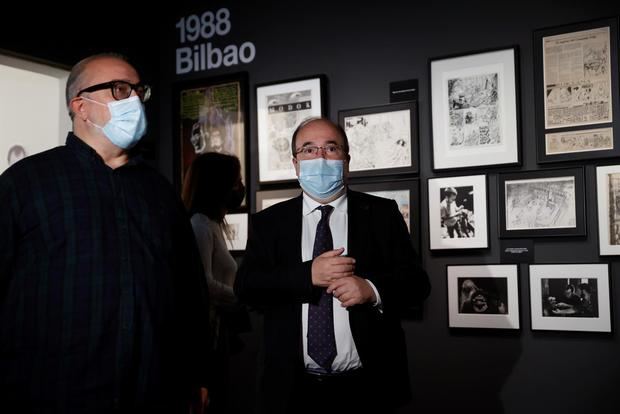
point(352, 290)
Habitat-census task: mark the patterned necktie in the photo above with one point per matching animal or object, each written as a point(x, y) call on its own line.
point(321, 338)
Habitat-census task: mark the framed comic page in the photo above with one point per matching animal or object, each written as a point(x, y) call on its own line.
point(280, 108)
point(576, 87)
point(542, 203)
point(211, 117)
point(475, 110)
point(236, 232)
point(608, 203)
point(382, 139)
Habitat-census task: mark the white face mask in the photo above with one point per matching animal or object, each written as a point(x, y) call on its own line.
point(127, 124)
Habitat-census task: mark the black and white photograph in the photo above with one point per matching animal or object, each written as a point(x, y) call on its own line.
point(236, 231)
point(458, 212)
point(570, 297)
point(483, 296)
point(474, 110)
point(280, 108)
point(608, 205)
point(542, 203)
point(382, 139)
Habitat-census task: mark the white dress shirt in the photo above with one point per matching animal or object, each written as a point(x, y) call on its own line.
point(347, 357)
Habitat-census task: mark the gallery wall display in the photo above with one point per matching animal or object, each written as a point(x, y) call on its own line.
point(382, 139)
point(280, 108)
point(483, 296)
point(608, 203)
point(266, 199)
point(457, 212)
point(474, 106)
point(576, 87)
point(542, 203)
point(570, 297)
point(211, 117)
point(406, 193)
point(237, 231)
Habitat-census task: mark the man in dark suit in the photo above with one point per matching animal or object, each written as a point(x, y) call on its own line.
point(332, 270)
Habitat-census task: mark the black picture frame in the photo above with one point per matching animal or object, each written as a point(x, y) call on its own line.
point(412, 187)
point(192, 119)
point(533, 205)
point(575, 143)
point(382, 129)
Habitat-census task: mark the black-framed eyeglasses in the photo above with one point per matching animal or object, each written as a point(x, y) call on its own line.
point(121, 89)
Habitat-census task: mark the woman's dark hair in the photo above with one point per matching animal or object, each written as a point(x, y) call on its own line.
point(208, 183)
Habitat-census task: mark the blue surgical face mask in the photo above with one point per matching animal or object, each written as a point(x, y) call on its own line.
point(127, 124)
point(320, 178)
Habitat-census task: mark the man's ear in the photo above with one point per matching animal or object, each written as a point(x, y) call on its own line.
point(77, 107)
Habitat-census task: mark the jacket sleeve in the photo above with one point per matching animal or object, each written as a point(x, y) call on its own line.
point(8, 200)
point(266, 278)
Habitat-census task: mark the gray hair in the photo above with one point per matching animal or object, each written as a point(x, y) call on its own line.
point(74, 82)
point(312, 119)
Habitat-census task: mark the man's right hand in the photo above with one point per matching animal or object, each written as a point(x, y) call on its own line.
point(330, 266)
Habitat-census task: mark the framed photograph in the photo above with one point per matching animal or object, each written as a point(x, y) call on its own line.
point(265, 199)
point(608, 202)
point(211, 117)
point(542, 203)
point(457, 212)
point(382, 139)
point(483, 296)
point(406, 193)
point(236, 231)
point(576, 87)
point(570, 297)
point(475, 115)
point(280, 108)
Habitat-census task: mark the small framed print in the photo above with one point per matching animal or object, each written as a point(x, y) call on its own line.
point(475, 119)
point(457, 212)
point(280, 109)
point(576, 90)
point(608, 202)
point(406, 193)
point(542, 203)
point(382, 139)
point(237, 231)
point(266, 199)
point(211, 117)
point(570, 297)
point(483, 296)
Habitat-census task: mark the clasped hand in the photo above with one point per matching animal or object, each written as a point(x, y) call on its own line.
point(337, 274)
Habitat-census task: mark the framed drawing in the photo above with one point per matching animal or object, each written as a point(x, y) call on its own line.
point(211, 117)
point(570, 297)
point(280, 108)
point(483, 296)
point(457, 212)
point(265, 199)
point(406, 193)
point(475, 115)
point(382, 139)
point(576, 87)
point(542, 203)
point(237, 231)
point(608, 202)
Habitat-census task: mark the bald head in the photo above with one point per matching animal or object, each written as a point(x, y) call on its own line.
point(324, 124)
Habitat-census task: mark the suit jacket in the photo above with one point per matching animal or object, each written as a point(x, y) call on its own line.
point(273, 278)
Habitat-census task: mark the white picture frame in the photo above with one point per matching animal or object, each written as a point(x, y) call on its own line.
point(608, 184)
point(483, 296)
point(474, 109)
point(472, 197)
point(551, 311)
point(266, 199)
point(237, 231)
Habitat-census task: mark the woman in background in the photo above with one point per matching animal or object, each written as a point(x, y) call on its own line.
point(213, 187)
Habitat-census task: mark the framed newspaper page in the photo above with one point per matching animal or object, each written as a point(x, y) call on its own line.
point(211, 117)
point(382, 139)
point(608, 203)
point(475, 110)
point(280, 108)
point(576, 87)
point(542, 203)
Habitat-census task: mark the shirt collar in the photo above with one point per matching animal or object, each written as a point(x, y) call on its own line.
point(340, 204)
point(83, 149)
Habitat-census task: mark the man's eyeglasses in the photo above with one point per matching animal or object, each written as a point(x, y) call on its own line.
point(312, 151)
point(121, 89)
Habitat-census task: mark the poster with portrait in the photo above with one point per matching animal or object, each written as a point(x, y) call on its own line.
point(280, 109)
point(212, 118)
